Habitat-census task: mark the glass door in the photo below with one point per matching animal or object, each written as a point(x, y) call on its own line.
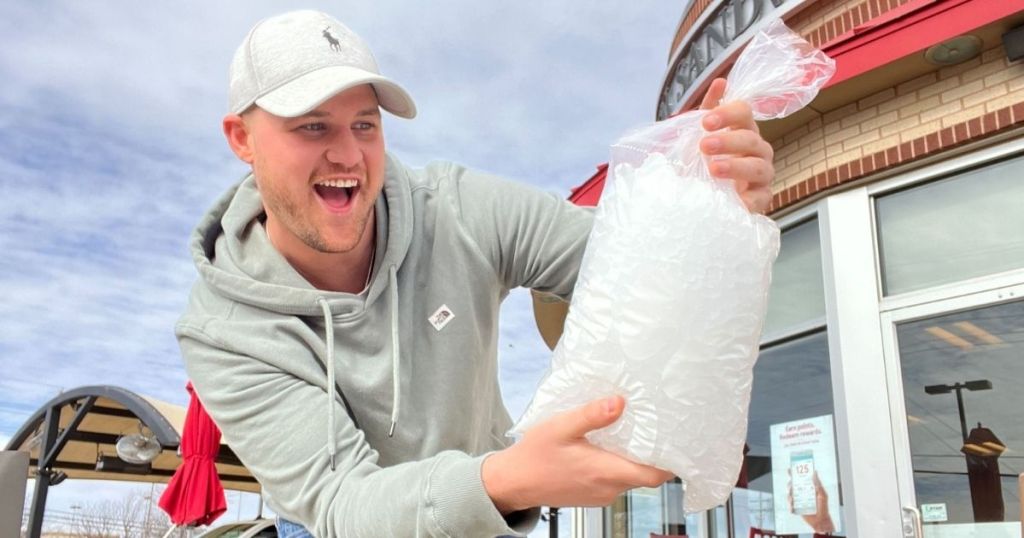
point(956, 373)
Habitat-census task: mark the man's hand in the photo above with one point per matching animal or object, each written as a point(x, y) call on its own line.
point(820, 521)
point(736, 149)
point(554, 465)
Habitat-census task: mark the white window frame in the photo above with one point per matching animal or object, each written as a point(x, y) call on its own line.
point(866, 466)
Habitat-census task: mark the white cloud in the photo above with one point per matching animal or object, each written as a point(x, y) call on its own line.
point(534, 90)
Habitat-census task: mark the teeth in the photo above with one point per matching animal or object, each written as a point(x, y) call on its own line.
point(339, 183)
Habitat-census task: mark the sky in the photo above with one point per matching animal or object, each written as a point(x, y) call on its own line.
point(111, 150)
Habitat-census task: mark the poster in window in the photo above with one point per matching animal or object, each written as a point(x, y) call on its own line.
point(805, 476)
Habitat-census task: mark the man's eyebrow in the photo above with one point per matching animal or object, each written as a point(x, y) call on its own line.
point(374, 111)
point(314, 114)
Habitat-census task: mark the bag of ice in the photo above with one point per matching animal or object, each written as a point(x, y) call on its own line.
point(670, 300)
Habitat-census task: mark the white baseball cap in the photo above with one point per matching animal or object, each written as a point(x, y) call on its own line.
point(291, 63)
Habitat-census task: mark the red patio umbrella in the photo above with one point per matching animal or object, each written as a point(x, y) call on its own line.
point(194, 495)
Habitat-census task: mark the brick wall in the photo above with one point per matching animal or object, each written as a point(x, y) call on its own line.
point(825, 20)
point(907, 121)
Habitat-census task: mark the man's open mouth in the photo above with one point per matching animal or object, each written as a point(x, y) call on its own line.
point(336, 193)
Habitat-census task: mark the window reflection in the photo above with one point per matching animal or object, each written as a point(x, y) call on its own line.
point(957, 228)
point(797, 294)
point(646, 512)
point(792, 382)
point(965, 448)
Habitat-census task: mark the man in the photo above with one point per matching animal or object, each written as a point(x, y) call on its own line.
point(343, 331)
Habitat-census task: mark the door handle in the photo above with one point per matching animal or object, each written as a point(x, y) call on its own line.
point(912, 522)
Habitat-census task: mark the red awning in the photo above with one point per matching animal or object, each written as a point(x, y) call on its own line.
point(589, 192)
point(194, 496)
point(910, 28)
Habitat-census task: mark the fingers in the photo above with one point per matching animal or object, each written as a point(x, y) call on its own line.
point(637, 474)
point(555, 465)
point(744, 156)
point(622, 474)
point(740, 142)
point(749, 157)
point(757, 202)
point(714, 94)
point(755, 172)
point(571, 428)
point(592, 416)
point(731, 115)
point(820, 495)
point(789, 490)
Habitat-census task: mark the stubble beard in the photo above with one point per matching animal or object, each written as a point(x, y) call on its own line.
point(289, 216)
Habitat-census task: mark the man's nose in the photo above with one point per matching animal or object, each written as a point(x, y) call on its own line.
point(344, 151)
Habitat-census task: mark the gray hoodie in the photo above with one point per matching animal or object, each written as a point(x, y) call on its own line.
point(395, 448)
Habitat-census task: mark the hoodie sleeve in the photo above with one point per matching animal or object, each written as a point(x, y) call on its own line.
point(274, 422)
point(532, 238)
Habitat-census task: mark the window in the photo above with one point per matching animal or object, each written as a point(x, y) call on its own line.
point(797, 295)
point(792, 386)
point(641, 512)
point(960, 227)
point(792, 390)
point(961, 382)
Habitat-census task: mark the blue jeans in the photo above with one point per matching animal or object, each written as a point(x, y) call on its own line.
point(289, 529)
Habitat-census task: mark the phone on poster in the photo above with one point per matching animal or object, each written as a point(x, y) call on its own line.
point(801, 471)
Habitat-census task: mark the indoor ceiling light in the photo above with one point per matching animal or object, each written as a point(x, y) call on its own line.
point(949, 338)
point(981, 334)
point(954, 51)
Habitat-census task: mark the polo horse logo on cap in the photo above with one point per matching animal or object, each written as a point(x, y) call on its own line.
point(335, 44)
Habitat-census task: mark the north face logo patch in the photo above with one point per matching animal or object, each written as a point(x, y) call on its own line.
point(441, 317)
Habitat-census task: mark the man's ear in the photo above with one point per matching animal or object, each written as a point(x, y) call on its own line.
point(236, 130)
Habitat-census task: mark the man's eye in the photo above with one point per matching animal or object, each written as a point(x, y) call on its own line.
point(364, 126)
point(313, 127)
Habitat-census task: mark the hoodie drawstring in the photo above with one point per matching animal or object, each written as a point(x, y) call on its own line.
point(396, 398)
point(329, 389)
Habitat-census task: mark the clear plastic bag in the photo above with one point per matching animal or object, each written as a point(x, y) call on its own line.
point(670, 301)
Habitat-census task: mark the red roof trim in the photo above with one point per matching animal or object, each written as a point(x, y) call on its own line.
point(590, 191)
point(910, 28)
